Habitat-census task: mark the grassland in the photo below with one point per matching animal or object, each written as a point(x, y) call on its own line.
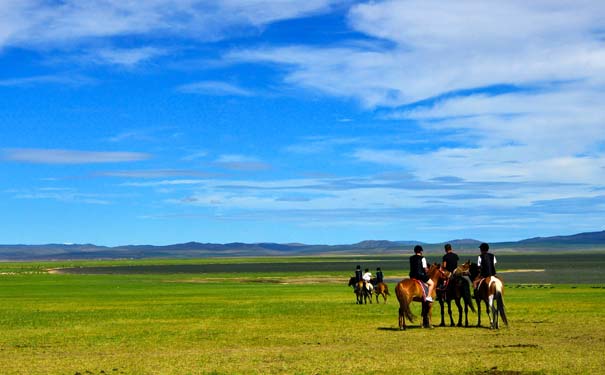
point(285, 320)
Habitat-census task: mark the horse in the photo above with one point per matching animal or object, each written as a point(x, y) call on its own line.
point(380, 289)
point(456, 289)
point(491, 292)
point(408, 290)
point(361, 292)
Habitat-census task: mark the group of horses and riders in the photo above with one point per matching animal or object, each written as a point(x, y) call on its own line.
point(364, 285)
point(448, 281)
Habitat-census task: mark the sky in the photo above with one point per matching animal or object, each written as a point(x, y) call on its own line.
point(317, 122)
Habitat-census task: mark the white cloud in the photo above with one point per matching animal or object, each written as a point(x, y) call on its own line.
point(65, 195)
point(56, 156)
point(319, 144)
point(214, 88)
point(154, 173)
point(35, 23)
point(58, 79)
point(125, 57)
point(438, 48)
point(241, 163)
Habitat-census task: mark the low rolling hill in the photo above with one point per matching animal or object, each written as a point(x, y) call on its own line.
point(589, 241)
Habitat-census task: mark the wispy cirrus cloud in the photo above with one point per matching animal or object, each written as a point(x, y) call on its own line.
point(126, 57)
point(241, 163)
point(56, 79)
point(155, 173)
point(214, 88)
point(318, 144)
point(65, 195)
point(443, 67)
point(33, 23)
point(58, 156)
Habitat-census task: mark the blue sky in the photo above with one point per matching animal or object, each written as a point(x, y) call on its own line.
point(159, 122)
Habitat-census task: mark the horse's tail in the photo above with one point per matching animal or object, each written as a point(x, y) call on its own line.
point(500, 301)
point(498, 297)
point(404, 305)
point(466, 292)
point(386, 290)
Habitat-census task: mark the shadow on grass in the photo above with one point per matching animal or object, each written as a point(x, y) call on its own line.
point(434, 327)
point(396, 329)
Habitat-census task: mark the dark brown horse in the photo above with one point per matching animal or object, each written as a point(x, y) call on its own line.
point(491, 292)
point(380, 289)
point(457, 288)
point(408, 290)
point(362, 293)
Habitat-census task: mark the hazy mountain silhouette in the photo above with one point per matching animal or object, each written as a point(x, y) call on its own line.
point(576, 242)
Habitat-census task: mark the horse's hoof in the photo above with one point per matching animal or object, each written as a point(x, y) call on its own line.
point(428, 326)
point(442, 325)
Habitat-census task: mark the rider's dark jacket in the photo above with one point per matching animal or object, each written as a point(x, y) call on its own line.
point(379, 277)
point(358, 275)
point(416, 269)
point(451, 261)
point(488, 268)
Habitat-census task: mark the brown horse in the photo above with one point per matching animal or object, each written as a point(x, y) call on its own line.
point(408, 290)
point(362, 293)
point(381, 289)
point(491, 292)
point(457, 288)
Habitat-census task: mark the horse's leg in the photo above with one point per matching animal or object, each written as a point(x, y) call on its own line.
point(449, 311)
point(488, 308)
point(401, 319)
point(465, 314)
point(423, 313)
point(494, 315)
point(429, 314)
point(404, 303)
point(442, 324)
point(459, 306)
point(478, 313)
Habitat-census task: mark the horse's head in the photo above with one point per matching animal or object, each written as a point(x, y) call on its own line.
point(352, 281)
point(463, 269)
point(437, 271)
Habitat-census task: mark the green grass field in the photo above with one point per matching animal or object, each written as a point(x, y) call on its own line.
point(268, 320)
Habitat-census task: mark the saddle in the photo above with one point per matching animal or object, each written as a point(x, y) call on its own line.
point(423, 287)
point(481, 280)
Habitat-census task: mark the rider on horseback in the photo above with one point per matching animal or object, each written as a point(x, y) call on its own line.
point(487, 264)
point(450, 259)
point(358, 274)
point(367, 276)
point(379, 276)
point(450, 263)
point(419, 270)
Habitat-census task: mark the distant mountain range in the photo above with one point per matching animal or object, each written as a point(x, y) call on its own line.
point(581, 241)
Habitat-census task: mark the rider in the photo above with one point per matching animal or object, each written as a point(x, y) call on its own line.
point(367, 276)
point(418, 270)
point(450, 263)
point(358, 274)
point(379, 276)
point(487, 264)
point(450, 259)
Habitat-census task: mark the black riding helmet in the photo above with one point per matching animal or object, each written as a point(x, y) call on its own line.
point(418, 249)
